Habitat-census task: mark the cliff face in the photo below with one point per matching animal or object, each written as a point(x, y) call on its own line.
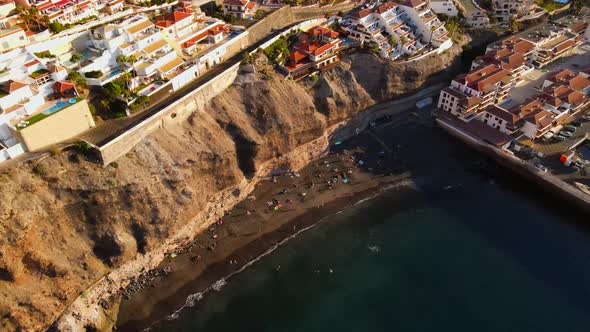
point(65, 222)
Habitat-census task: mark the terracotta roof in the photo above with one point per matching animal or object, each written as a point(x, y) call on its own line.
point(169, 19)
point(502, 113)
point(251, 4)
point(296, 56)
point(314, 48)
point(155, 46)
point(523, 46)
point(387, 6)
point(528, 107)
point(13, 108)
point(139, 27)
point(464, 99)
point(579, 82)
point(323, 31)
point(31, 63)
point(235, 2)
point(13, 85)
point(358, 14)
point(481, 78)
point(62, 86)
point(560, 76)
point(414, 3)
point(55, 67)
point(172, 64)
point(542, 118)
point(564, 46)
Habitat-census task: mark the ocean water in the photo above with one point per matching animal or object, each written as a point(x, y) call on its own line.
point(463, 252)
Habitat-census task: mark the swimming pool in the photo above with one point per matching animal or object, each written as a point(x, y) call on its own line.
point(59, 105)
point(114, 73)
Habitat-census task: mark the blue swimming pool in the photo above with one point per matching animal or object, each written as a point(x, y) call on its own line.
point(114, 73)
point(59, 105)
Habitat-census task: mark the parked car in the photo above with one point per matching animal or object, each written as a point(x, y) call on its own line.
point(570, 128)
point(576, 123)
point(548, 136)
point(586, 117)
point(559, 138)
point(566, 133)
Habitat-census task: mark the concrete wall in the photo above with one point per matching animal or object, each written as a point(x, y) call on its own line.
point(276, 20)
point(179, 111)
point(64, 124)
point(197, 100)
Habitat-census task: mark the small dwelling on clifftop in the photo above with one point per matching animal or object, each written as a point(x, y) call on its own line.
point(315, 49)
point(243, 9)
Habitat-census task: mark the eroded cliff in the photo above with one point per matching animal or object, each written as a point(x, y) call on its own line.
point(66, 222)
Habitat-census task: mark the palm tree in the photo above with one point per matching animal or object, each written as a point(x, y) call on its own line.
point(35, 16)
point(514, 24)
point(121, 59)
point(453, 26)
point(24, 15)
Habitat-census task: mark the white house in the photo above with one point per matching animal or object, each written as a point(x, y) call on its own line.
point(446, 7)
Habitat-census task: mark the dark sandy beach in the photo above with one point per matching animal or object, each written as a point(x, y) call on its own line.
point(279, 207)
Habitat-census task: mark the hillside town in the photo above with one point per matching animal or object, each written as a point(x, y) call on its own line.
point(483, 95)
point(113, 59)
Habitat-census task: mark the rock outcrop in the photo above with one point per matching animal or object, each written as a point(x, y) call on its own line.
point(67, 223)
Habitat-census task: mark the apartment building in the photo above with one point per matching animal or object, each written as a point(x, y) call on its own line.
point(469, 94)
point(556, 47)
point(398, 29)
point(136, 37)
point(66, 11)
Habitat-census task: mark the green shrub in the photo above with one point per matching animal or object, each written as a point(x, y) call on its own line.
point(40, 170)
point(94, 74)
point(56, 27)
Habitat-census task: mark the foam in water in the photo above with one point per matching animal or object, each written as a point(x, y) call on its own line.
point(218, 285)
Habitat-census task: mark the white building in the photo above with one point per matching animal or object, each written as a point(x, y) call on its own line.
point(446, 7)
point(398, 29)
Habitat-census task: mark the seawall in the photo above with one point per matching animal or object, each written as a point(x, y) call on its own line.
point(545, 180)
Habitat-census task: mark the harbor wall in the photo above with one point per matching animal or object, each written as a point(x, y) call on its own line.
point(545, 180)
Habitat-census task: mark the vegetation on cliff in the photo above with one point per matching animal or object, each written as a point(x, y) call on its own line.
point(65, 227)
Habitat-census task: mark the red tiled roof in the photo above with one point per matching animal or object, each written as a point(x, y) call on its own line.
point(13, 85)
point(235, 2)
point(169, 19)
point(323, 31)
point(561, 75)
point(481, 78)
point(564, 46)
point(219, 27)
point(251, 4)
point(32, 63)
point(502, 113)
point(414, 3)
point(387, 6)
point(528, 107)
point(523, 46)
point(314, 48)
point(579, 82)
point(296, 56)
point(358, 14)
point(62, 86)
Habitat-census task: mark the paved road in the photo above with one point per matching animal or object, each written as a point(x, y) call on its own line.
point(108, 131)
